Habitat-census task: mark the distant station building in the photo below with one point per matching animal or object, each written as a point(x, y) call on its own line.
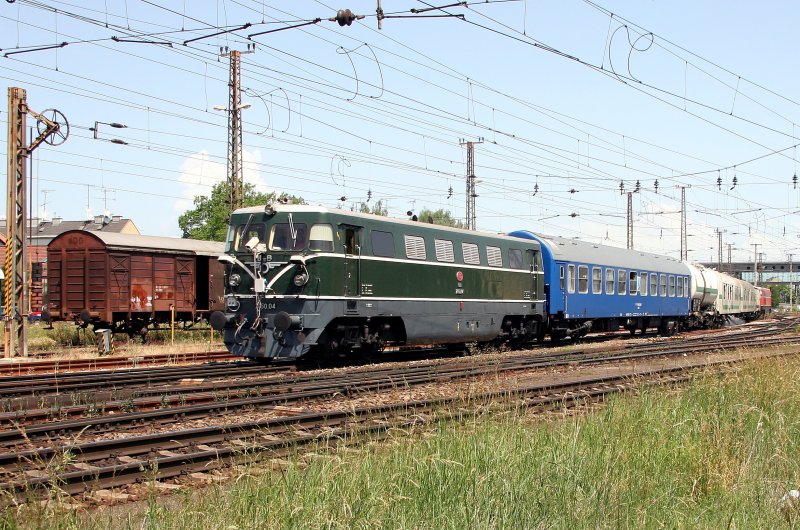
point(41, 231)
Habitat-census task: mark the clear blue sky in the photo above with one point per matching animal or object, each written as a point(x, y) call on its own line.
point(566, 97)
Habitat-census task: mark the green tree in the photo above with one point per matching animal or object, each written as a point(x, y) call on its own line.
point(780, 294)
point(439, 217)
point(208, 219)
point(378, 208)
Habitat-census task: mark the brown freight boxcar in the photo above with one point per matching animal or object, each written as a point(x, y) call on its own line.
point(127, 282)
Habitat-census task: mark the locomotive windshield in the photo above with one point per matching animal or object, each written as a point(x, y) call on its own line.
point(288, 236)
point(245, 233)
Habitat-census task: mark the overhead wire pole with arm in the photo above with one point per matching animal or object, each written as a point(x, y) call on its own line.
point(53, 130)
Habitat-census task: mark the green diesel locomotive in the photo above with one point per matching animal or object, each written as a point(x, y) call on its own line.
point(306, 279)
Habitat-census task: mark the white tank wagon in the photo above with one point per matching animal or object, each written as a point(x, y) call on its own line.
point(717, 297)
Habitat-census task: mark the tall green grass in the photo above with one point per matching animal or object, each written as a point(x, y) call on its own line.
point(717, 453)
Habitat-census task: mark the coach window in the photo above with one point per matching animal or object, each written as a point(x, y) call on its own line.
point(643, 283)
point(288, 236)
point(571, 278)
point(597, 280)
point(382, 244)
point(515, 259)
point(444, 250)
point(671, 285)
point(680, 286)
point(415, 247)
point(561, 276)
point(622, 281)
point(583, 279)
point(632, 287)
point(662, 284)
point(653, 284)
point(610, 281)
point(320, 239)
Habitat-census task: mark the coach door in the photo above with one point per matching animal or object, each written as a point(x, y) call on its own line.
point(534, 279)
point(352, 261)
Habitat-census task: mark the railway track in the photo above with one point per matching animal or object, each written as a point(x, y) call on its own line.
point(28, 367)
point(122, 461)
point(203, 401)
point(37, 455)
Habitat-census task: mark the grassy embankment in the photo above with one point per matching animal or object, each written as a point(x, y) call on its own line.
point(72, 340)
point(718, 453)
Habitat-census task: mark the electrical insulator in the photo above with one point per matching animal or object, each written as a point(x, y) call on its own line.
point(536, 188)
point(449, 192)
point(794, 180)
point(735, 180)
point(638, 187)
point(655, 185)
point(345, 17)
point(719, 182)
point(369, 195)
point(573, 190)
point(621, 187)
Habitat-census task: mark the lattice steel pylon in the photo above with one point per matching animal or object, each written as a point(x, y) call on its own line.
point(53, 130)
point(471, 194)
point(235, 166)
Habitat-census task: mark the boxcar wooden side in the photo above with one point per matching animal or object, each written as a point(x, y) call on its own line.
point(127, 282)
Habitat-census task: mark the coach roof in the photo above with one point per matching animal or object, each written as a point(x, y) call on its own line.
point(575, 251)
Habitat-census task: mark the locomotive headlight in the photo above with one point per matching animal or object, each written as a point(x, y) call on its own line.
point(301, 279)
point(234, 279)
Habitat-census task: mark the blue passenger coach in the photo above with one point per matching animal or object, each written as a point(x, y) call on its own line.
point(591, 287)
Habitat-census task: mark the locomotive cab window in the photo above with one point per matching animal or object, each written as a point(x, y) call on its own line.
point(382, 244)
point(515, 259)
point(351, 244)
point(242, 237)
point(288, 236)
point(610, 281)
point(583, 279)
point(321, 238)
point(643, 283)
point(622, 282)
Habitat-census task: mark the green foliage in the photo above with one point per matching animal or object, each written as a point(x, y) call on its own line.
point(780, 294)
point(378, 208)
point(209, 218)
point(440, 217)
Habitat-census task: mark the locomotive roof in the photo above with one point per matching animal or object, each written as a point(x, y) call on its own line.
point(114, 240)
point(305, 208)
point(572, 250)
